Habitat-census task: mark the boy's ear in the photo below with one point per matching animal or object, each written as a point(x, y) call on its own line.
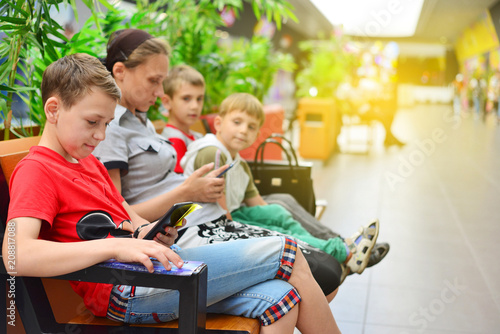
point(118, 70)
point(165, 100)
point(217, 123)
point(52, 107)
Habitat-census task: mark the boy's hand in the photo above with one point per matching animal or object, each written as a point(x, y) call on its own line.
point(206, 188)
point(138, 250)
point(167, 239)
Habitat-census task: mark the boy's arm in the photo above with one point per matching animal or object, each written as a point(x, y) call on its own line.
point(136, 219)
point(252, 196)
point(209, 154)
point(26, 255)
point(222, 202)
point(254, 201)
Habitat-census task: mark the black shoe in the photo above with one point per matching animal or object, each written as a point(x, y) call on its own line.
point(379, 251)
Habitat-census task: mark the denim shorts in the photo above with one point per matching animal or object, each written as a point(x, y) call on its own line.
point(245, 277)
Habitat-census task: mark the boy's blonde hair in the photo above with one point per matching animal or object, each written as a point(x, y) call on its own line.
point(73, 77)
point(244, 102)
point(179, 75)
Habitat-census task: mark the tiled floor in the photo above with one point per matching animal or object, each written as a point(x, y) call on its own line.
point(438, 201)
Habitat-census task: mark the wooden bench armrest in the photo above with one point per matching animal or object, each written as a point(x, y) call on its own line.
point(192, 289)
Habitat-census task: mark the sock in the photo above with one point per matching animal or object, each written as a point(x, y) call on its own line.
point(348, 252)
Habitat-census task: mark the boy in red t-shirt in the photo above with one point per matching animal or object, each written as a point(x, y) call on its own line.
point(67, 215)
point(63, 194)
point(184, 94)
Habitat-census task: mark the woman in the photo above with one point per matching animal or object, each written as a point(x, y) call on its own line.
point(141, 163)
point(137, 160)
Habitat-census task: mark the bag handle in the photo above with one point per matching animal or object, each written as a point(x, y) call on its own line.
point(271, 139)
point(289, 144)
point(290, 152)
point(261, 148)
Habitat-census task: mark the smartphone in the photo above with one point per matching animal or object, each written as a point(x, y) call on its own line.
point(173, 217)
point(228, 168)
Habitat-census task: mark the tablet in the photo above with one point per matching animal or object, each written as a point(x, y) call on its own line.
point(173, 217)
point(188, 268)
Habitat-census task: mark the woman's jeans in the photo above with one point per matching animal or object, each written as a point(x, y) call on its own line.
point(245, 277)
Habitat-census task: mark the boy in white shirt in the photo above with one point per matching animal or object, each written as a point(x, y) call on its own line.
point(237, 125)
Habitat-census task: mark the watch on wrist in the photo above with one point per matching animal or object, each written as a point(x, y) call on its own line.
point(138, 230)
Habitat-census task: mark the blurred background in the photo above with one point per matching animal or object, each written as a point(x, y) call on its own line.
point(393, 103)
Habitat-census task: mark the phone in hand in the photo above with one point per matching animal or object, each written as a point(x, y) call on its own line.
point(228, 168)
point(174, 217)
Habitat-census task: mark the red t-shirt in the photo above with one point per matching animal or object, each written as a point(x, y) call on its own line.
point(180, 141)
point(75, 201)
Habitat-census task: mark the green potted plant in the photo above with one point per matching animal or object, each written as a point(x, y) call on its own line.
point(34, 41)
point(191, 29)
point(31, 40)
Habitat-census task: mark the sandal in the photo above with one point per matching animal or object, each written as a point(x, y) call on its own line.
point(378, 253)
point(360, 257)
point(345, 272)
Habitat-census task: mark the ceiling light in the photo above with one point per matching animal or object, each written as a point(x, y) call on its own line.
point(373, 18)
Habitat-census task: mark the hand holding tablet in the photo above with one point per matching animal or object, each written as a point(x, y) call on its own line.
point(173, 218)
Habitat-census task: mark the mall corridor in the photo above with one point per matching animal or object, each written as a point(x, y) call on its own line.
point(438, 201)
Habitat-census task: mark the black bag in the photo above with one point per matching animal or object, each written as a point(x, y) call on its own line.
point(284, 176)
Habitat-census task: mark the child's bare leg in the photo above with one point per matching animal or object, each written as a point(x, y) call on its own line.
point(314, 314)
point(332, 295)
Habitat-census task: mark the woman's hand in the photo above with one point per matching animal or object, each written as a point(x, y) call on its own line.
point(196, 188)
point(206, 188)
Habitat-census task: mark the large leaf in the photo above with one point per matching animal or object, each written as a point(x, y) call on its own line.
point(12, 5)
point(7, 89)
point(13, 20)
point(189, 26)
